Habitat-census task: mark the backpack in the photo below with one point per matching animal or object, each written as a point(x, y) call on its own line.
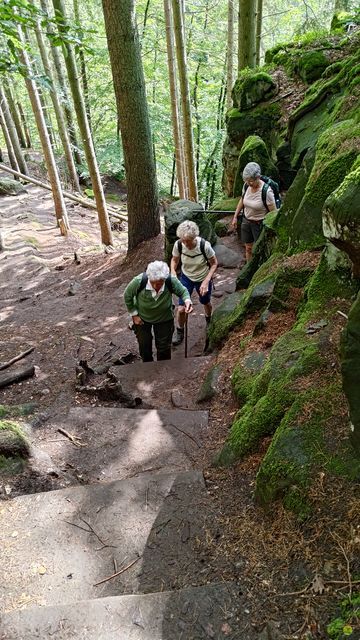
point(268, 182)
point(202, 249)
point(144, 279)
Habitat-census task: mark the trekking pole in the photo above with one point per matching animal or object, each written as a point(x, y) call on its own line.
point(186, 336)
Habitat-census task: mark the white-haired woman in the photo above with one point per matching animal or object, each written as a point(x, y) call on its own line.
point(198, 265)
point(251, 203)
point(148, 298)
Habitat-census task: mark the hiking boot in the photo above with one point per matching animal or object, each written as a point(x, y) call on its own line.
point(178, 337)
point(208, 319)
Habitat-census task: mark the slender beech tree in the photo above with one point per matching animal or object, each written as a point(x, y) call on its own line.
point(14, 112)
point(82, 120)
point(230, 54)
point(9, 147)
point(259, 12)
point(247, 30)
point(185, 100)
point(59, 202)
point(64, 94)
point(174, 101)
point(63, 133)
point(25, 125)
point(12, 133)
point(129, 85)
point(82, 65)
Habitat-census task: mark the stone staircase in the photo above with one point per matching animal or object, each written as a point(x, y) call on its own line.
point(143, 515)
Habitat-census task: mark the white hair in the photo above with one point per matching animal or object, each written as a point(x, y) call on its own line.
point(157, 270)
point(251, 171)
point(187, 229)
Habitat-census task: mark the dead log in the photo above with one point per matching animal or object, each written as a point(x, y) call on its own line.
point(16, 359)
point(16, 376)
point(111, 389)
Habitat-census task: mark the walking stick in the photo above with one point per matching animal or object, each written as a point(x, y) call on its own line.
point(186, 336)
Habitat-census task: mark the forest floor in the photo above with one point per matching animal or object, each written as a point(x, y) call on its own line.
point(293, 574)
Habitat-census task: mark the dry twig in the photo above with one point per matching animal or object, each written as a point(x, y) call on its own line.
point(74, 439)
point(117, 573)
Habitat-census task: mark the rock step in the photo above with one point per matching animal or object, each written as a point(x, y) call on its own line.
point(57, 545)
point(210, 611)
point(121, 443)
point(155, 382)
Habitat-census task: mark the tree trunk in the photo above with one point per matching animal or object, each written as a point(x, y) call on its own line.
point(185, 100)
point(129, 85)
point(230, 54)
point(12, 133)
point(174, 101)
point(84, 78)
point(65, 98)
point(58, 110)
point(60, 208)
point(259, 13)
point(247, 25)
point(9, 147)
point(80, 111)
point(25, 125)
point(14, 112)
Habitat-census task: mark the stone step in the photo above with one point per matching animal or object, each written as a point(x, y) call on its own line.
point(210, 611)
point(123, 442)
point(157, 382)
point(56, 546)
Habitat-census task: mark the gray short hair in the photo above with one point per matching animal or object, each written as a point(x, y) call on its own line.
point(157, 270)
point(251, 171)
point(187, 229)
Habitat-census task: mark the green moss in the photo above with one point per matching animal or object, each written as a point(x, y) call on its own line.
point(311, 65)
point(254, 150)
point(347, 621)
point(221, 228)
point(13, 442)
point(8, 411)
point(252, 87)
point(262, 121)
point(227, 204)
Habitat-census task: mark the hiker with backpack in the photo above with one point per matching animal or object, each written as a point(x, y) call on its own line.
point(198, 265)
point(260, 195)
point(148, 298)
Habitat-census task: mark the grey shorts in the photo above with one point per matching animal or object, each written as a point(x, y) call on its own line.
point(250, 230)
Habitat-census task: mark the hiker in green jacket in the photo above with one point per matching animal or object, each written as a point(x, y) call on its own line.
point(148, 298)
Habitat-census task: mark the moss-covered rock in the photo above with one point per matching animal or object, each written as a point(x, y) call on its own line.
point(226, 204)
point(251, 88)
point(179, 212)
point(9, 187)
point(311, 65)
point(15, 410)
point(341, 216)
point(14, 447)
point(221, 228)
point(254, 150)
point(210, 387)
point(261, 252)
point(350, 367)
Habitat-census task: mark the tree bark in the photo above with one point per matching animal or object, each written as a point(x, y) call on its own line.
point(14, 113)
point(129, 85)
point(185, 100)
point(16, 376)
point(65, 98)
point(9, 147)
point(259, 13)
point(12, 133)
point(106, 236)
point(58, 110)
point(247, 26)
point(60, 208)
point(230, 54)
point(174, 101)
point(25, 125)
point(84, 78)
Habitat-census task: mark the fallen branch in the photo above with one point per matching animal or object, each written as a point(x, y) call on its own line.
point(16, 376)
point(74, 439)
point(117, 573)
point(17, 358)
point(86, 203)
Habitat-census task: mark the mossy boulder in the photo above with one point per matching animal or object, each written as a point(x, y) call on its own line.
point(254, 150)
point(262, 250)
point(226, 204)
point(336, 150)
point(221, 228)
point(311, 65)
point(14, 446)
point(179, 212)
point(350, 368)
point(341, 217)
point(251, 88)
point(9, 187)
point(210, 387)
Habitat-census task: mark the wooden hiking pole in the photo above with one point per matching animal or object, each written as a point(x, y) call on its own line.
point(186, 335)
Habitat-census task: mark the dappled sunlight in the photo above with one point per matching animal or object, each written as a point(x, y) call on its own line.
point(148, 437)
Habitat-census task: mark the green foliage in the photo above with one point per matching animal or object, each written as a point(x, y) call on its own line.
point(347, 623)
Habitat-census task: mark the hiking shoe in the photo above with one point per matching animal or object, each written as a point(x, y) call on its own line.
point(178, 337)
point(208, 319)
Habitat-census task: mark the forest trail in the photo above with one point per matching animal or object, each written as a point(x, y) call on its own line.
point(143, 509)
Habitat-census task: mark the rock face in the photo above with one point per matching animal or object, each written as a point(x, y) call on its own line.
point(252, 88)
point(179, 212)
point(254, 150)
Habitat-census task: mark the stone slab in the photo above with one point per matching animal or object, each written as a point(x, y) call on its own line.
point(124, 442)
point(56, 546)
point(197, 613)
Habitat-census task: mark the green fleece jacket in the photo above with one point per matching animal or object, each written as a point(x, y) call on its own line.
point(153, 310)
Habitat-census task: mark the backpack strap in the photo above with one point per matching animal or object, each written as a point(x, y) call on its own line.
point(179, 247)
point(264, 191)
point(202, 249)
point(144, 280)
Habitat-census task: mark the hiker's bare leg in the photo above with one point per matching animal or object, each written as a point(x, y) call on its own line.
point(248, 252)
point(180, 319)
